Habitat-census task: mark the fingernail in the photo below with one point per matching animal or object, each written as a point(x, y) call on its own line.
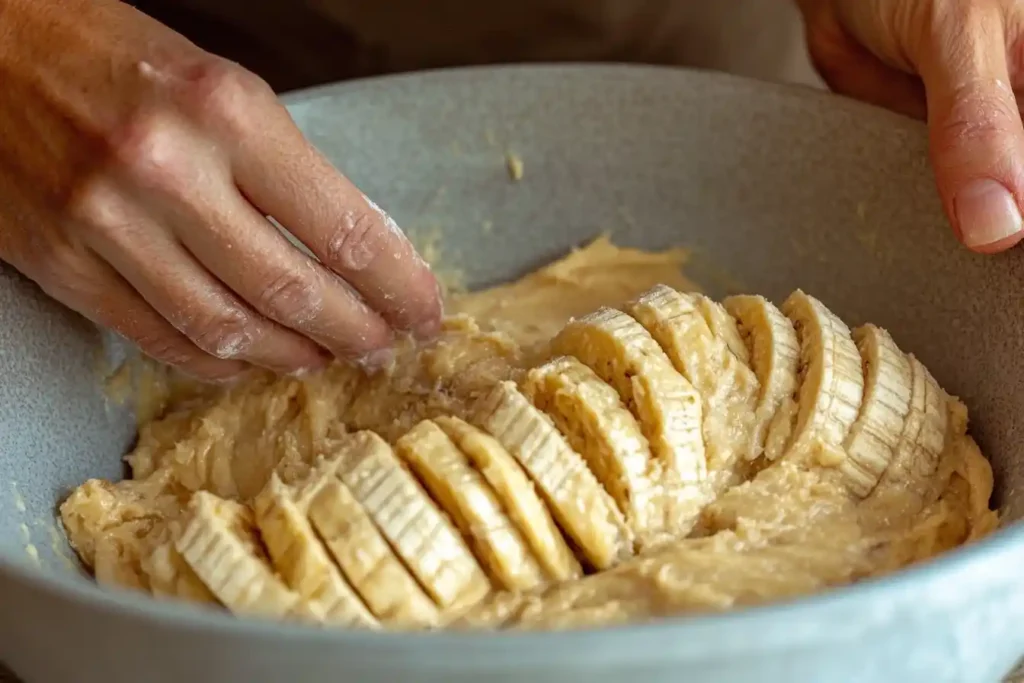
point(986, 212)
point(427, 330)
point(375, 361)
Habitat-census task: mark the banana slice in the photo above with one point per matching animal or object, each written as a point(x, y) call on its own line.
point(598, 427)
point(369, 564)
point(171, 577)
point(775, 357)
point(474, 506)
point(831, 381)
point(668, 408)
point(724, 326)
point(582, 507)
point(873, 439)
point(422, 536)
point(917, 454)
point(301, 559)
point(219, 542)
point(727, 386)
point(517, 495)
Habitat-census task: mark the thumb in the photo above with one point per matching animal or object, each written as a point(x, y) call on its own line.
point(977, 140)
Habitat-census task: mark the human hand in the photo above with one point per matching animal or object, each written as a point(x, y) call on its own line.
point(136, 174)
point(958, 63)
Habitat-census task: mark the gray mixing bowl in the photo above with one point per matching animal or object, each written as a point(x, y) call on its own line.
point(773, 188)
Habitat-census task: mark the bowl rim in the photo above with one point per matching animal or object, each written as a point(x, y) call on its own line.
point(985, 568)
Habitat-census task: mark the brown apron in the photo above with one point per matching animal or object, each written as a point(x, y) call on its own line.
point(295, 43)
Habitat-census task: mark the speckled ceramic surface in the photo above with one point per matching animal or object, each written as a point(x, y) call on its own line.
point(773, 188)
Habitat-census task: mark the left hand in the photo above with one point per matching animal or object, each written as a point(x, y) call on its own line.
point(960, 65)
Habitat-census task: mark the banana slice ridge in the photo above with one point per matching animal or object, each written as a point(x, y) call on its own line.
point(774, 353)
point(518, 496)
point(590, 415)
point(705, 357)
point(831, 380)
point(465, 495)
point(301, 559)
point(888, 382)
point(668, 408)
point(420, 534)
point(363, 554)
point(219, 541)
point(584, 510)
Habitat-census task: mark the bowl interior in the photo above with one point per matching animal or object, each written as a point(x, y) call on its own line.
point(772, 188)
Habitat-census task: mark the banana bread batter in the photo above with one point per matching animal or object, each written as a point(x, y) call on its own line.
point(549, 462)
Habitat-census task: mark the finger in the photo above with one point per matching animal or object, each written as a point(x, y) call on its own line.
point(101, 295)
point(167, 276)
point(850, 69)
point(277, 279)
point(977, 140)
point(284, 176)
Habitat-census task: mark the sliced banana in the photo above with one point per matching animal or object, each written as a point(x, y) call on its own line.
point(474, 506)
point(517, 495)
point(597, 426)
point(301, 559)
point(916, 457)
point(727, 386)
point(831, 381)
point(171, 577)
point(775, 358)
point(422, 536)
point(219, 542)
point(667, 406)
point(582, 507)
point(875, 435)
point(362, 552)
point(724, 326)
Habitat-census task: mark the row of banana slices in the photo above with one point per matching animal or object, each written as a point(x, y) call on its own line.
point(639, 420)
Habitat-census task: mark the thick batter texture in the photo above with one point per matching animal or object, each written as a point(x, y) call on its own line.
point(592, 444)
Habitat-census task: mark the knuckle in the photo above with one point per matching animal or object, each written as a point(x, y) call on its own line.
point(148, 148)
point(978, 115)
point(367, 334)
point(166, 349)
point(227, 333)
point(292, 296)
point(221, 91)
point(353, 245)
point(63, 274)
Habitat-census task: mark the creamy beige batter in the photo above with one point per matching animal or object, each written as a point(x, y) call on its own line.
point(754, 529)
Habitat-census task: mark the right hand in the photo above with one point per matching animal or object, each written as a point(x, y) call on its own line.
point(136, 175)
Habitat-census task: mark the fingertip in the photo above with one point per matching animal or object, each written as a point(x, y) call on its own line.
point(987, 216)
point(998, 247)
point(427, 324)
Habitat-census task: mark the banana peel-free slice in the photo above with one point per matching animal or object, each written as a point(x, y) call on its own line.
point(420, 533)
point(775, 359)
point(831, 381)
point(875, 436)
point(593, 420)
point(364, 556)
point(301, 559)
point(585, 511)
point(703, 355)
point(170, 576)
point(219, 541)
point(723, 326)
point(921, 443)
point(667, 406)
point(474, 506)
point(517, 495)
